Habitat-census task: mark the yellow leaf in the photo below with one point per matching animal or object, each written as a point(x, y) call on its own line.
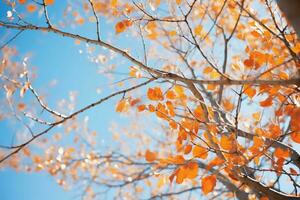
point(198, 30)
point(161, 181)
point(256, 116)
point(178, 2)
point(179, 90)
point(114, 3)
point(122, 106)
point(134, 72)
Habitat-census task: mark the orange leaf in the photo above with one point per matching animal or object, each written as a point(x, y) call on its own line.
point(171, 94)
point(227, 142)
point(189, 171)
point(21, 106)
point(267, 102)
point(192, 170)
point(120, 27)
point(200, 152)
point(258, 142)
point(187, 149)
point(122, 106)
point(31, 8)
point(215, 162)
point(274, 130)
point(37, 159)
point(155, 94)
point(295, 136)
point(133, 102)
point(208, 184)
point(151, 108)
point(281, 153)
point(249, 63)
point(211, 86)
point(199, 113)
point(255, 34)
point(228, 106)
point(178, 2)
point(173, 124)
point(295, 116)
point(26, 151)
point(141, 108)
point(49, 2)
point(99, 6)
point(293, 172)
point(179, 159)
point(250, 92)
point(207, 70)
point(150, 156)
point(79, 21)
point(161, 111)
point(181, 175)
point(22, 1)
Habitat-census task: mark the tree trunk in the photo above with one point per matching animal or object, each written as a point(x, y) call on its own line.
point(291, 9)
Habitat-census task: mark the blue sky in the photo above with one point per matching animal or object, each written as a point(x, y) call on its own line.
point(53, 58)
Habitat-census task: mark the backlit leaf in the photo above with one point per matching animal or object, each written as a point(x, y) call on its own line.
point(208, 184)
point(200, 152)
point(150, 156)
point(49, 2)
point(267, 102)
point(31, 8)
point(155, 94)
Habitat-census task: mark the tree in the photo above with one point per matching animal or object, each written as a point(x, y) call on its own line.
point(217, 79)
